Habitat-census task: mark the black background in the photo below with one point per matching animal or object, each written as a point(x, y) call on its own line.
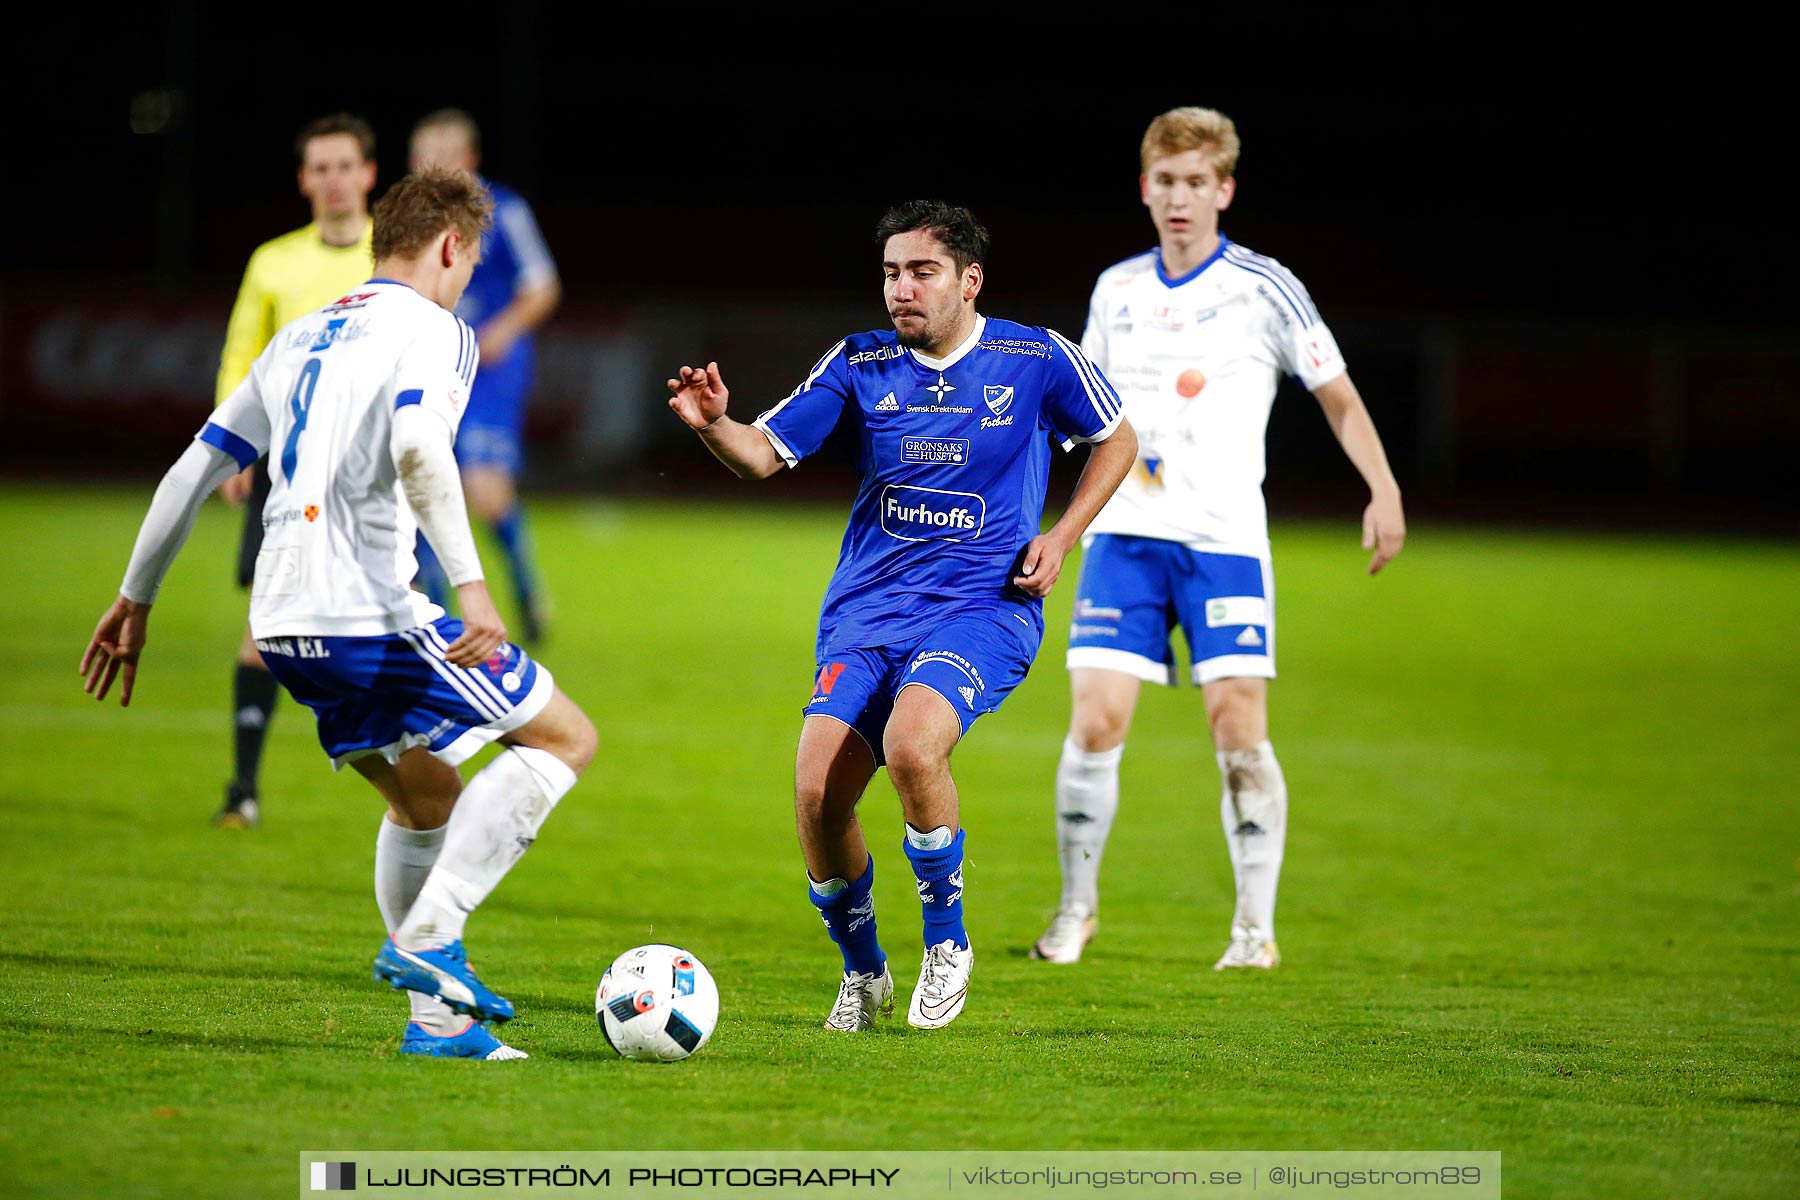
point(1596, 174)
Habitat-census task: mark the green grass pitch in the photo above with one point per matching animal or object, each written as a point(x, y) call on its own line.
point(1541, 892)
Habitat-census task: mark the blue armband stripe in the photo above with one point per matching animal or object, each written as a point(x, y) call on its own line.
point(409, 396)
point(230, 443)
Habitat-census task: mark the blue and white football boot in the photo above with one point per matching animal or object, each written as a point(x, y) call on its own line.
point(443, 972)
point(477, 1041)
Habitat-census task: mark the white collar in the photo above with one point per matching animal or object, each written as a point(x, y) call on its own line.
point(956, 355)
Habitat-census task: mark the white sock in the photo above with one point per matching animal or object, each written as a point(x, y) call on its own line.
point(1253, 810)
point(929, 839)
point(495, 821)
point(403, 858)
point(1087, 799)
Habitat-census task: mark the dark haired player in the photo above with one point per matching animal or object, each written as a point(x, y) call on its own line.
point(935, 611)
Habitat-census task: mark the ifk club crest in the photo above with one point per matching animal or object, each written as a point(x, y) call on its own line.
point(999, 399)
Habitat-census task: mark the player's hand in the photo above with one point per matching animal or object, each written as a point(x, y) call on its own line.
point(236, 490)
point(698, 397)
point(1384, 530)
point(1040, 566)
point(483, 630)
point(496, 343)
point(112, 653)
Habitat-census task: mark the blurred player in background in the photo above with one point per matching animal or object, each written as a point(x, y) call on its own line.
point(935, 612)
point(1196, 333)
point(289, 276)
point(357, 405)
point(514, 291)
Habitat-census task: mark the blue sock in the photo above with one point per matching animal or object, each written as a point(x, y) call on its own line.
point(940, 890)
point(849, 916)
point(431, 575)
point(511, 533)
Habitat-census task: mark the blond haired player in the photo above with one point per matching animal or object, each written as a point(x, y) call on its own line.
point(288, 276)
point(357, 405)
point(1195, 334)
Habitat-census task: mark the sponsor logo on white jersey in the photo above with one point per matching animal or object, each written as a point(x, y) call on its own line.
point(918, 514)
point(1166, 318)
point(323, 337)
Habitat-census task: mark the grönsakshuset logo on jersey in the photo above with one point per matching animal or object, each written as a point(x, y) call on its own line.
point(919, 514)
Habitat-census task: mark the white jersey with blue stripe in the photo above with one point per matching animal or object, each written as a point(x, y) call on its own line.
point(337, 550)
point(1196, 360)
point(954, 455)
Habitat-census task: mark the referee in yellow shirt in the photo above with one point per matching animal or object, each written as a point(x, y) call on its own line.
point(286, 279)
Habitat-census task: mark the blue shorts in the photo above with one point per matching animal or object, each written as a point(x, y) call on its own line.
point(973, 660)
point(492, 432)
point(1135, 590)
point(388, 693)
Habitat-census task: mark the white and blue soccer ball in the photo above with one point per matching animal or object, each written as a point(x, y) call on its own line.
point(657, 1003)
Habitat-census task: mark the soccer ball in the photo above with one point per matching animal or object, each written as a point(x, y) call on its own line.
point(656, 1004)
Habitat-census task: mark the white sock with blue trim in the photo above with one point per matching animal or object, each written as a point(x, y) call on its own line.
point(403, 858)
point(496, 819)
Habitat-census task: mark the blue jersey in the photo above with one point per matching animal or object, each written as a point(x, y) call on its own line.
point(514, 259)
point(954, 455)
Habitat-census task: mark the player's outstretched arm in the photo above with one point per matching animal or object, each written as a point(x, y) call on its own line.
point(112, 653)
point(699, 398)
point(1384, 520)
point(1108, 463)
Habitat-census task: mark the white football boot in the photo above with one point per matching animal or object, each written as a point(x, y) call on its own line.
point(861, 998)
point(1249, 950)
point(943, 986)
point(1070, 930)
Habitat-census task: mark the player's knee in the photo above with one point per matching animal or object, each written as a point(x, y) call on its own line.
point(564, 730)
point(490, 494)
point(1094, 728)
point(1234, 711)
point(909, 761)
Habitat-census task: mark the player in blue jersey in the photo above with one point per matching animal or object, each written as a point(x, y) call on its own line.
point(514, 291)
point(941, 579)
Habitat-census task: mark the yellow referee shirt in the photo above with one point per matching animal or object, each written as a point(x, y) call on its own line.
point(287, 278)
